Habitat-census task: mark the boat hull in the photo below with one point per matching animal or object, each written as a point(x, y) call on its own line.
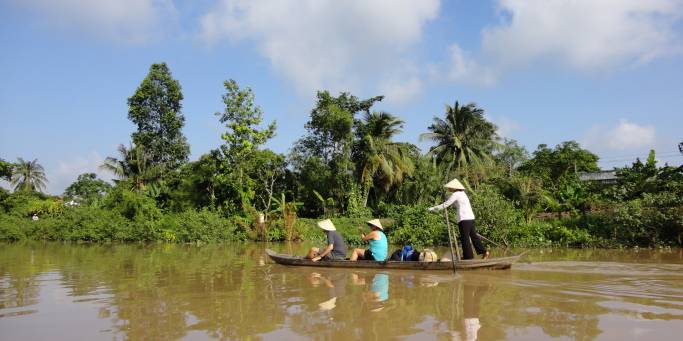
point(471, 264)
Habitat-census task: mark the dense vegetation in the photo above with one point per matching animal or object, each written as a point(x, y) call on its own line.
point(347, 166)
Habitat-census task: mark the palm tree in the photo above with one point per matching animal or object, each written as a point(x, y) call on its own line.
point(133, 165)
point(28, 176)
point(379, 160)
point(463, 138)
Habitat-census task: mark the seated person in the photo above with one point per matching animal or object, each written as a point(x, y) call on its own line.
point(335, 249)
point(378, 243)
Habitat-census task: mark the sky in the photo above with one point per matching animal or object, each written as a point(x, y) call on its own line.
point(606, 73)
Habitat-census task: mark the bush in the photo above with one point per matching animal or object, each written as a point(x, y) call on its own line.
point(495, 216)
point(12, 228)
point(132, 205)
point(418, 227)
point(197, 226)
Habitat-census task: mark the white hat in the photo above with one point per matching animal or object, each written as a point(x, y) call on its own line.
point(454, 185)
point(326, 225)
point(376, 223)
point(329, 304)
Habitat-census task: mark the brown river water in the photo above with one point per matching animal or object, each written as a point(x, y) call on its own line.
point(52, 291)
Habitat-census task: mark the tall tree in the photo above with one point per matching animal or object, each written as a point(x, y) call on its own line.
point(379, 160)
point(324, 153)
point(28, 176)
point(463, 137)
point(155, 109)
point(87, 188)
point(242, 117)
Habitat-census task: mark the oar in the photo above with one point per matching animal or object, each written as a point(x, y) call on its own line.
point(490, 241)
point(455, 254)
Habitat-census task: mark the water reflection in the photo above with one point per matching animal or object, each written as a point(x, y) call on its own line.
point(174, 292)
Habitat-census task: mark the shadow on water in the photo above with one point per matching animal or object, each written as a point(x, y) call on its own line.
point(172, 292)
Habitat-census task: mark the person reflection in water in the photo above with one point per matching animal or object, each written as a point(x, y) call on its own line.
point(378, 294)
point(336, 285)
point(471, 304)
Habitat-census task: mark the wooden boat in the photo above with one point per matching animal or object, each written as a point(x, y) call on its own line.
point(471, 264)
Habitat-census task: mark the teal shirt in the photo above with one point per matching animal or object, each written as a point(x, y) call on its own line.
point(379, 247)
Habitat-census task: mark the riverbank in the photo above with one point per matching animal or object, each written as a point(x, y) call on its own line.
point(406, 225)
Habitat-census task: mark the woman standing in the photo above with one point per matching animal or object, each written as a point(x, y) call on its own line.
point(465, 220)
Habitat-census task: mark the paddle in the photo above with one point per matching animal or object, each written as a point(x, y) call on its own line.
point(455, 254)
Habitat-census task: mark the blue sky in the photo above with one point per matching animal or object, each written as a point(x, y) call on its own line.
point(605, 73)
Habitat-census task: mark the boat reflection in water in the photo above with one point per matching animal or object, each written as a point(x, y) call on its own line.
point(230, 292)
point(358, 297)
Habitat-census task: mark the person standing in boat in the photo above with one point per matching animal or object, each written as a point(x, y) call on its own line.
point(378, 243)
point(335, 249)
point(465, 220)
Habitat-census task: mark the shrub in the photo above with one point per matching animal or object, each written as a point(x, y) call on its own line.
point(495, 216)
point(196, 226)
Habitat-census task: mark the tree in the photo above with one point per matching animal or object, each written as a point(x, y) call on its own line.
point(464, 137)
point(379, 160)
point(134, 165)
point(28, 176)
point(155, 109)
point(511, 154)
point(242, 117)
point(566, 159)
point(87, 188)
point(323, 156)
point(5, 170)
point(243, 138)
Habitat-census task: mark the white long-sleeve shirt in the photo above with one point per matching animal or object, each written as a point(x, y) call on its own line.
point(462, 203)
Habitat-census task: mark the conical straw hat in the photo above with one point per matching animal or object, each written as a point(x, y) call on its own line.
point(454, 185)
point(326, 225)
point(329, 304)
point(376, 223)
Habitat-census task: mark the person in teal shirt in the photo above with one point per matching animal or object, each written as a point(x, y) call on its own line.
point(378, 243)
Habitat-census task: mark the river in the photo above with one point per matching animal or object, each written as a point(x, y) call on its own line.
point(53, 291)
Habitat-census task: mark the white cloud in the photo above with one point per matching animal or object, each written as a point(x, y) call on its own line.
point(463, 68)
point(505, 125)
point(69, 169)
point(626, 136)
point(352, 45)
point(133, 21)
point(585, 34)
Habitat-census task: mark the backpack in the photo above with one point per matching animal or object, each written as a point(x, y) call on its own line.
point(407, 253)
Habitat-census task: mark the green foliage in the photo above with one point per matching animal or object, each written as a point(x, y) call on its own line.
point(242, 117)
point(132, 205)
point(323, 157)
point(5, 170)
point(418, 227)
point(25, 204)
point(87, 189)
point(464, 137)
point(381, 163)
point(156, 111)
point(554, 165)
point(28, 176)
point(495, 216)
point(511, 155)
point(198, 226)
point(134, 167)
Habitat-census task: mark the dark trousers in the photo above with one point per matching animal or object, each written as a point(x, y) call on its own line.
point(467, 232)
